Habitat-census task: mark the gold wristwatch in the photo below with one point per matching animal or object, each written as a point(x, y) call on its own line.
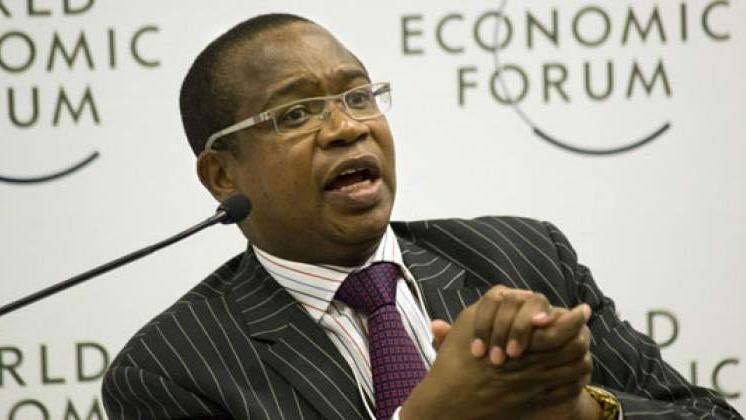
point(608, 402)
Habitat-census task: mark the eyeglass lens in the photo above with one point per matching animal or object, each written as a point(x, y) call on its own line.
point(361, 103)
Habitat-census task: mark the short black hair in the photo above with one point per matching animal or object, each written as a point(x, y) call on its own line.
point(206, 105)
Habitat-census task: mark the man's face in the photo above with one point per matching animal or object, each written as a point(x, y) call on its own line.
point(321, 197)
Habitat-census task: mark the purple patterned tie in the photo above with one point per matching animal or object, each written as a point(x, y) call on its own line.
point(396, 363)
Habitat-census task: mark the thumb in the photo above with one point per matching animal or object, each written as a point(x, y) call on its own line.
point(439, 329)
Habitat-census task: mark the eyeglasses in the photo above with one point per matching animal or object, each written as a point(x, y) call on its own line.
point(307, 115)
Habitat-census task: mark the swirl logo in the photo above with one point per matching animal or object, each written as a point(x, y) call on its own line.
point(593, 78)
point(48, 77)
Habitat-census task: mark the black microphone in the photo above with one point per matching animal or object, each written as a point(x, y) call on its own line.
point(232, 210)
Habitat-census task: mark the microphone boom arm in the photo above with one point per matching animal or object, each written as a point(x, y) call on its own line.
point(232, 210)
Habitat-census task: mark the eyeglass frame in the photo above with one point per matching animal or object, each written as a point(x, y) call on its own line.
point(270, 114)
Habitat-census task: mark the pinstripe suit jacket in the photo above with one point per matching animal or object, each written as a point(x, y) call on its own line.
point(238, 345)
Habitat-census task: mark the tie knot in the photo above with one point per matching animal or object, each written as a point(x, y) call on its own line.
point(369, 289)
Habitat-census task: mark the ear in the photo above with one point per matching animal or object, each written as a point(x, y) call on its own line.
point(214, 173)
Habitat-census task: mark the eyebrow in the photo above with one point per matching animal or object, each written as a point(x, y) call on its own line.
point(342, 76)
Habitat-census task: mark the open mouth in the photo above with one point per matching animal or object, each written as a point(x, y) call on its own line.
point(352, 179)
point(353, 175)
point(355, 184)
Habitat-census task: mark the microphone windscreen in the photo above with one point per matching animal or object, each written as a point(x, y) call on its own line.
point(236, 209)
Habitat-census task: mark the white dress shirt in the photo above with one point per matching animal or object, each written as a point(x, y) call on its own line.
point(314, 286)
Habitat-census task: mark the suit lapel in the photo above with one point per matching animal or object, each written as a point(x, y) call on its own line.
point(288, 340)
point(447, 287)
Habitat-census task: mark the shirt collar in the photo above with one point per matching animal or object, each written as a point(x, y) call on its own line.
point(314, 286)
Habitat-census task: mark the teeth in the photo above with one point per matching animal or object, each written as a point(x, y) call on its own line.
point(355, 186)
point(350, 171)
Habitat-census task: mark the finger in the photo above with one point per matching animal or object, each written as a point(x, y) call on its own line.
point(568, 352)
point(563, 394)
point(551, 378)
point(483, 317)
point(540, 383)
point(576, 370)
point(577, 348)
point(439, 329)
point(517, 292)
point(522, 326)
point(550, 386)
point(501, 326)
point(544, 319)
point(461, 332)
point(568, 325)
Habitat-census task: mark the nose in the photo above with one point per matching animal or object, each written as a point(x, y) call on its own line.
point(340, 129)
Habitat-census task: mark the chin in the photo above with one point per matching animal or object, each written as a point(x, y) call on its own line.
point(363, 228)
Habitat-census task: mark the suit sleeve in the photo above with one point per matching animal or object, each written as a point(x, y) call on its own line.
point(130, 392)
point(628, 363)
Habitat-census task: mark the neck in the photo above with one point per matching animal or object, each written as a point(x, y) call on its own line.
point(344, 255)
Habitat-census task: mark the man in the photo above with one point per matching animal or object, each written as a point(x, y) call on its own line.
point(278, 110)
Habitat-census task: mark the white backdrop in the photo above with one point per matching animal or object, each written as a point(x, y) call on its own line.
point(660, 225)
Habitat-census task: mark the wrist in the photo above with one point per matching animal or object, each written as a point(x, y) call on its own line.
point(589, 407)
point(419, 404)
point(604, 400)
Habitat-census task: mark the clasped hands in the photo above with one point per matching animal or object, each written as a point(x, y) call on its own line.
point(510, 355)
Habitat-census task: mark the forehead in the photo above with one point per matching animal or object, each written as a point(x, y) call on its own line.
point(294, 60)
